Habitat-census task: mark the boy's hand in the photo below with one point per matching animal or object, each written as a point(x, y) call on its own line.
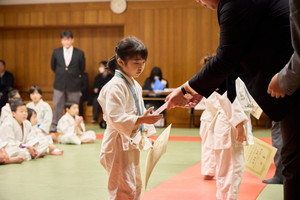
point(79, 120)
point(240, 133)
point(33, 152)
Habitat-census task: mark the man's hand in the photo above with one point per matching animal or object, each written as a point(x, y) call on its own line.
point(176, 99)
point(274, 90)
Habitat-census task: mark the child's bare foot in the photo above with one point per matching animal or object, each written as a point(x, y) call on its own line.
point(18, 159)
point(86, 141)
point(57, 152)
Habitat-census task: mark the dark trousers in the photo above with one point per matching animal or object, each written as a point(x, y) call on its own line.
point(96, 108)
point(277, 143)
point(290, 154)
point(59, 100)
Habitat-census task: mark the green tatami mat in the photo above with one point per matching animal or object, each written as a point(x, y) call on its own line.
point(78, 175)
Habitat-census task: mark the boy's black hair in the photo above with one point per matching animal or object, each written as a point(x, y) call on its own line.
point(15, 104)
point(69, 104)
point(35, 88)
point(12, 93)
point(30, 113)
point(66, 34)
point(3, 62)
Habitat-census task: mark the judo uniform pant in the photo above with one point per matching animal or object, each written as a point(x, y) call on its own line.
point(73, 139)
point(290, 154)
point(229, 172)
point(208, 161)
point(124, 181)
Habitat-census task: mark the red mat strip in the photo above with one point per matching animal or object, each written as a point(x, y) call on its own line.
point(190, 185)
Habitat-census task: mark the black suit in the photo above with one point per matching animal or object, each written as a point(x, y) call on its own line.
point(255, 43)
point(70, 79)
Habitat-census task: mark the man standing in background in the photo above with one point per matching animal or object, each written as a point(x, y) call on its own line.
point(6, 82)
point(68, 64)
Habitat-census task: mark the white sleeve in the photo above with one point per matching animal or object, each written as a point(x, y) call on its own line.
point(64, 126)
point(234, 111)
point(47, 120)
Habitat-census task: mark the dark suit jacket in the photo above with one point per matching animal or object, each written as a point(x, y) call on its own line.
point(255, 43)
point(70, 79)
point(6, 82)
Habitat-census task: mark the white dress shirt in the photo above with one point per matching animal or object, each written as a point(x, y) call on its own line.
point(68, 55)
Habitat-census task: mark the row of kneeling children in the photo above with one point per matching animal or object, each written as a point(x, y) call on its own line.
point(24, 129)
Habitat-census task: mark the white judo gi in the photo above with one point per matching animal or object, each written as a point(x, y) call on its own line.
point(12, 133)
point(222, 156)
point(218, 134)
point(44, 115)
point(120, 155)
point(5, 112)
point(71, 134)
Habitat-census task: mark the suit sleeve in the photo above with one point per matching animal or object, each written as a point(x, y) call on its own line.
point(82, 63)
point(53, 61)
point(237, 26)
point(289, 76)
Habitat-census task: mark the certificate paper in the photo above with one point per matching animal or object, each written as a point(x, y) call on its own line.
point(258, 157)
point(154, 154)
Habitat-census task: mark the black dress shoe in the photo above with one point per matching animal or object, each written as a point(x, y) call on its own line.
point(273, 180)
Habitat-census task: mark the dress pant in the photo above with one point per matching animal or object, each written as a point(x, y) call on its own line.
point(59, 100)
point(277, 143)
point(290, 154)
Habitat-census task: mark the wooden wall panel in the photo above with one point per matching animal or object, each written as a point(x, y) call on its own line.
point(177, 33)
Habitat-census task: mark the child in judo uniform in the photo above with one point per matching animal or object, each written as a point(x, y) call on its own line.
point(15, 130)
point(42, 108)
point(127, 121)
point(72, 128)
point(38, 134)
point(225, 128)
point(5, 110)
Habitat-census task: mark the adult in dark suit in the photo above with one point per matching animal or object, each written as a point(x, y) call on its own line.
point(255, 44)
point(287, 82)
point(6, 82)
point(68, 64)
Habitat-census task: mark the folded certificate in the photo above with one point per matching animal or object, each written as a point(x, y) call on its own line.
point(159, 148)
point(258, 157)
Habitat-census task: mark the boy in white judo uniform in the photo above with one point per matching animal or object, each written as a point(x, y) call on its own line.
point(15, 131)
point(127, 119)
point(72, 128)
point(5, 110)
point(222, 154)
point(38, 134)
point(223, 134)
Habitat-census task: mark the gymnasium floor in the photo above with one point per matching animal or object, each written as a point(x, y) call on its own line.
point(77, 175)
